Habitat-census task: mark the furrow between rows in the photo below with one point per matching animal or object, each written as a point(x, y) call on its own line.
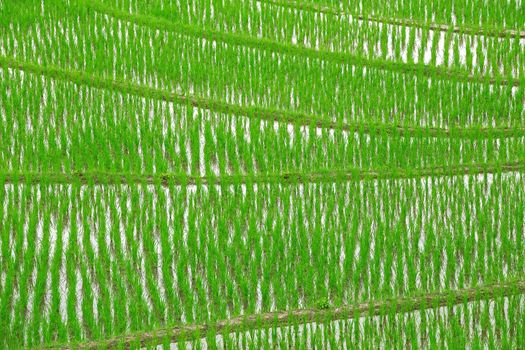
point(328, 176)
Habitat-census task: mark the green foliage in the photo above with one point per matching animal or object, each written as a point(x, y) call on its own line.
point(262, 174)
point(323, 304)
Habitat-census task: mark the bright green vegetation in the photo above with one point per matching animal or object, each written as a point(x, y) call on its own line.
point(262, 174)
point(134, 258)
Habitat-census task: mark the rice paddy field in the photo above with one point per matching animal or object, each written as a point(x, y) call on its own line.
point(270, 174)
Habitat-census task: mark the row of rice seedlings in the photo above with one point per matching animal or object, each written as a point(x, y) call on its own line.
point(444, 24)
point(473, 13)
point(469, 14)
point(325, 176)
point(335, 33)
point(369, 125)
point(301, 321)
point(136, 258)
point(450, 25)
point(492, 60)
point(60, 127)
point(241, 76)
point(473, 325)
